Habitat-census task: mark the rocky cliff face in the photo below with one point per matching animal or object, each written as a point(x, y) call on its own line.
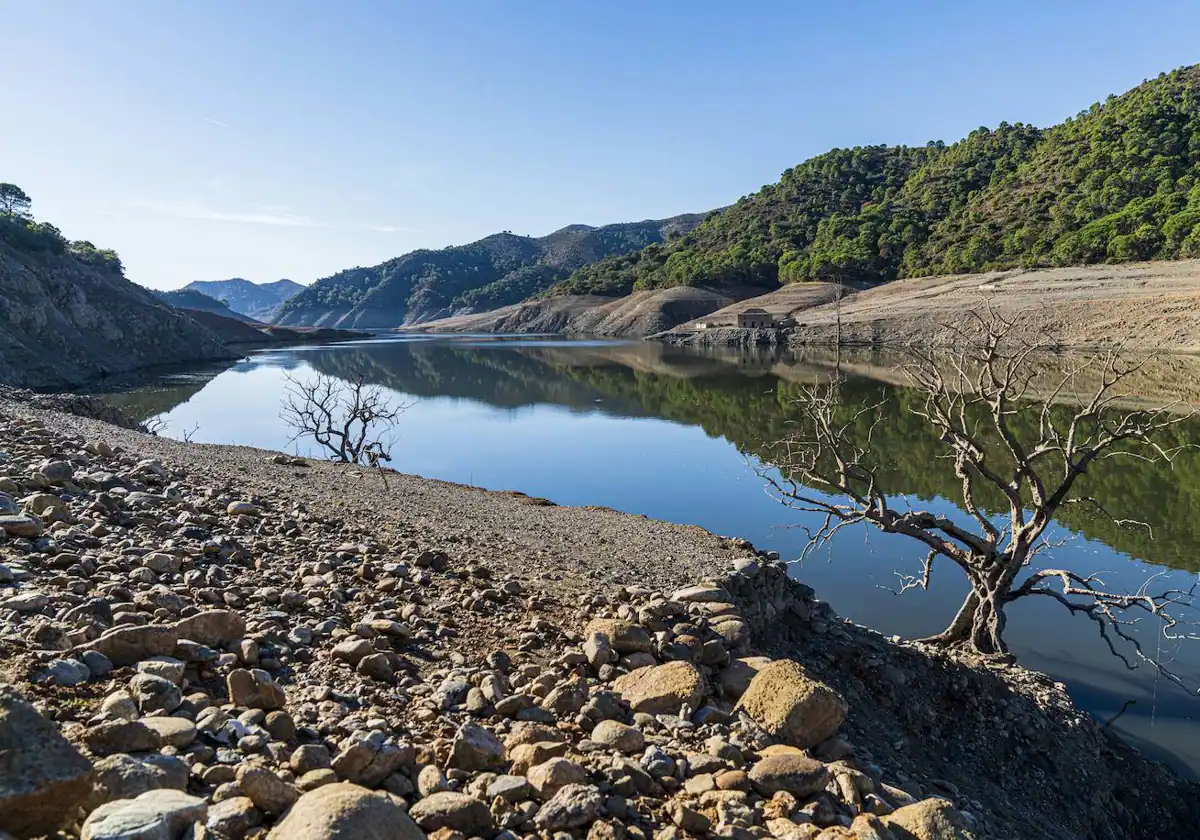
point(63, 322)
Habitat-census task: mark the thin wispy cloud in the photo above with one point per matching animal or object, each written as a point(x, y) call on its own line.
point(259, 214)
point(216, 122)
point(393, 229)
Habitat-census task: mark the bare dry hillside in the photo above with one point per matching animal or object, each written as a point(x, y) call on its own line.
point(639, 314)
point(1147, 305)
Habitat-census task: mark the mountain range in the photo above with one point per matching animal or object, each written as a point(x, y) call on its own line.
point(1119, 182)
point(188, 298)
point(494, 271)
point(260, 301)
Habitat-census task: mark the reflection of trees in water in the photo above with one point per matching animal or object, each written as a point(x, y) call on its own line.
point(753, 416)
point(746, 400)
point(505, 378)
point(742, 396)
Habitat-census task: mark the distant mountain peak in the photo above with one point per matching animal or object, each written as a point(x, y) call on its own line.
point(259, 301)
point(497, 270)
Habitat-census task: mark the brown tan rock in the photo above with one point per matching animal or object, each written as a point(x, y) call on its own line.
point(623, 636)
point(455, 811)
point(43, 779)
point(929, 819)
point(524, 756)
point(130, 645)
point(212, 627)
point(546, 778)
point(796, 774)
point(254, 689)
point(735, 678)
point(788, 703)
point(344, 811)
point(662, 689)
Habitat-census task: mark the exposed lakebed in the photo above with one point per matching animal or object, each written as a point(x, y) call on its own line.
point(676, 435)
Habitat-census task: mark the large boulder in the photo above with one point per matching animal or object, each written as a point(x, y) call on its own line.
point(43, 779)
point(662, 689)
point(929, 819)
point(123, 776)
point(269, 793)
point(573, 806)
point(255, 689)
point(785, 701)
point(620, 736)
point(368, 758)
point(121, 736)
point(794, 773)
point(214, 627)
point(130, 645)
point(21, 525)
point(735, 678)
point(455, 811)
point(343, 811)
point(475, 748)
point(155, 815)
point(623, 636)
point(704, 593)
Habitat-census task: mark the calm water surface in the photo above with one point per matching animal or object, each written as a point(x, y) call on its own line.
point(676, 435)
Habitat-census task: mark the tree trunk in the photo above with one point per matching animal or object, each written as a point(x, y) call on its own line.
point(979, 623)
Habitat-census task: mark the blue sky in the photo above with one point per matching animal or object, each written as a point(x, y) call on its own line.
point(289, 138)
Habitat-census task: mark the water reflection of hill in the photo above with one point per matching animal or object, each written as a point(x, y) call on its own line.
point(143, 399)
point(746, 399)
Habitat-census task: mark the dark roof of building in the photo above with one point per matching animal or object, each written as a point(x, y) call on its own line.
point(754, 310)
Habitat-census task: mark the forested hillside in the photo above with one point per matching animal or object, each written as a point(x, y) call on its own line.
point(495, 271)
point(1119, 182)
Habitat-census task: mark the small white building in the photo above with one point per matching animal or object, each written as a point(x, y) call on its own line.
point(755, 319)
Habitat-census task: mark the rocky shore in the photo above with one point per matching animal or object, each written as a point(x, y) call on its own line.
point(220, 642)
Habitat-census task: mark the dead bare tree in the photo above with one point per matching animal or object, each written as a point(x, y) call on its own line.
point(974, 400)
point(350, 419)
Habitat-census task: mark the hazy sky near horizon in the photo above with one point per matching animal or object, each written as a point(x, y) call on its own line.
point(294, 138)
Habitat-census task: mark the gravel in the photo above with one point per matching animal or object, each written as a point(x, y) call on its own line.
point(579, 546)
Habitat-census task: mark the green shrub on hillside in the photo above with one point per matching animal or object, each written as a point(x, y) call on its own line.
point(1117, 183)
point(20, 231)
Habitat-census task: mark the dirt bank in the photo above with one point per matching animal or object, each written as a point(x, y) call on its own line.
point(1146, 305)
point(639, 314)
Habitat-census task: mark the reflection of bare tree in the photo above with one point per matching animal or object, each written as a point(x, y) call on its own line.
point(980, 408)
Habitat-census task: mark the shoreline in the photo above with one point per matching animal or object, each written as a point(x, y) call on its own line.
point(964, 740)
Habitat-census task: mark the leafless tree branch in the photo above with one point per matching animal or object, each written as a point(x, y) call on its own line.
point(981, 403)
point(350, 419)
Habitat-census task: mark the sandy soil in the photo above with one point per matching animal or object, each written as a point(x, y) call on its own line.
point(639, 314)
point(1146, 305)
